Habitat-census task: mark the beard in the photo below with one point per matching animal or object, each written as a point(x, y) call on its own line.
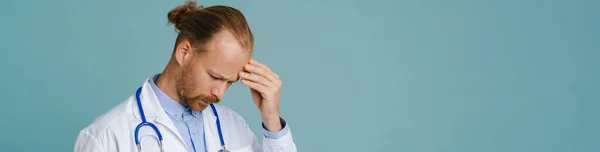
point(186, 86)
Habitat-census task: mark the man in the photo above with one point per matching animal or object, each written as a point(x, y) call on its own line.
point(211, 52)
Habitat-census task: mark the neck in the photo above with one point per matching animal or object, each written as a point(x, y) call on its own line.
point(166, 82)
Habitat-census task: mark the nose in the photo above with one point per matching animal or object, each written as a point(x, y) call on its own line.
point(219, 91)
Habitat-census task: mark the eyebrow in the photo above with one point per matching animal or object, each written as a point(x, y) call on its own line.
point(223, 77)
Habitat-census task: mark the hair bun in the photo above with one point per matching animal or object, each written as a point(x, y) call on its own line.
point(178, 15)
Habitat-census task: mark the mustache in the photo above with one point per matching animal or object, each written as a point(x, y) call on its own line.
point(210, 99)
point(203, 98)
point(200, 102)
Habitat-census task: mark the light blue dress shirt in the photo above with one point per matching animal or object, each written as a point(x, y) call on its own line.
point(189, 122)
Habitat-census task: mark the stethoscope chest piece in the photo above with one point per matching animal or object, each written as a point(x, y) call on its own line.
point(223, 149)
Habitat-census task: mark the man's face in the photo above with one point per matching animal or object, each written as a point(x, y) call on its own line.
point(204, 79)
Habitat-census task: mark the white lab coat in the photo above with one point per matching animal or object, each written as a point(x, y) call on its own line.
point(114, 130)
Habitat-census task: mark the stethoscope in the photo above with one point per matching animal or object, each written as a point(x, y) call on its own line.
point(160, 138)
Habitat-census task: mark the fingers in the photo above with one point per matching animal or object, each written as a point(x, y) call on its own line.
point(254, 85)
point(258, 75)
point(258, 64)
point(261, 72)
point(254, 62)
point(256, 78)
point(264, 85)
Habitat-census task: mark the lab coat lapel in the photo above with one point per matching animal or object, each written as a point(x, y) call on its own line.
point(154, 111)
point(211, 135)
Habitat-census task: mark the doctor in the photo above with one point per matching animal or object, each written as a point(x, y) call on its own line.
point(177, 110)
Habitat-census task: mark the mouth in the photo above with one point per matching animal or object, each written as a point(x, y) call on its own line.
point(199, 105)
point(206, 101)
point(203, 102)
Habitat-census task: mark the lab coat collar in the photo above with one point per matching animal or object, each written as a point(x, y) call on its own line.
point(152, 109)
point(211, 135)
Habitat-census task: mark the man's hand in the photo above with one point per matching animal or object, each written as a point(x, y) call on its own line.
point(264, 85)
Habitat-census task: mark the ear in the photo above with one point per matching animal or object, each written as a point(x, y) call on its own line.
point(183, 52)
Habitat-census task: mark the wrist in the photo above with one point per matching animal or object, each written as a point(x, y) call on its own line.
point(272, 122)
point(270, 114)
point(271, 118)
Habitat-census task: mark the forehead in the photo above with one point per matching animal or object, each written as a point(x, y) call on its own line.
point(225, 55)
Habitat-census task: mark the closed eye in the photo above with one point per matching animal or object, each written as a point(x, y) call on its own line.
point(221, 78)
point(213, 77)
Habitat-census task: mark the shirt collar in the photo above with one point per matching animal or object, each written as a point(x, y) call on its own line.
point(171, 107)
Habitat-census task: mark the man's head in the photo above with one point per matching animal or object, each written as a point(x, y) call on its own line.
point(212, 47)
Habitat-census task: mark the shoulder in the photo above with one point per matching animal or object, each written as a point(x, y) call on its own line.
point(113, 118)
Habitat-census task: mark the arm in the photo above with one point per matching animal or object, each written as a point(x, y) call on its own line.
point(264, 86)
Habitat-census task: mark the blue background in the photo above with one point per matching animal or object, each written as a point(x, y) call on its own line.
point(379, 75)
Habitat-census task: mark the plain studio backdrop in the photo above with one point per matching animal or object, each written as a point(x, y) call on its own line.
point(378, 75)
